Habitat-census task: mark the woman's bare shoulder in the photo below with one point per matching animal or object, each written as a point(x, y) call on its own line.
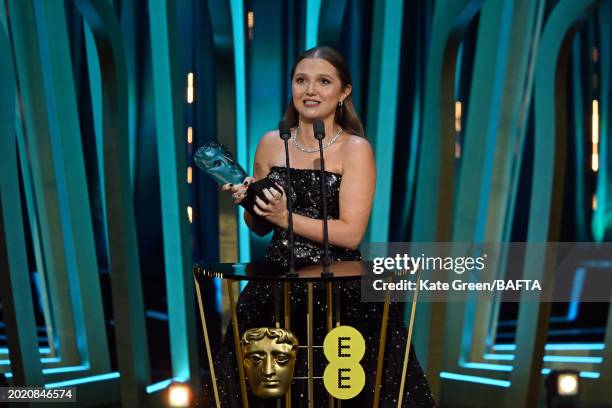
point(269, 141)
point(357, 155)
point(357, 145)
point(268, 150)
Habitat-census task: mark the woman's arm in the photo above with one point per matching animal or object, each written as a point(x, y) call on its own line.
point(356, 193)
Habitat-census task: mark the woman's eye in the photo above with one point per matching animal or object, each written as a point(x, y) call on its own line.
point(324, 82)
point(299, 81)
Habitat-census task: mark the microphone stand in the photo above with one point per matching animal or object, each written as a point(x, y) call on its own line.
point(320, 135)
point(285, 134)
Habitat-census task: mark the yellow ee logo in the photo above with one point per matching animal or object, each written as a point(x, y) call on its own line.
point(344, 348)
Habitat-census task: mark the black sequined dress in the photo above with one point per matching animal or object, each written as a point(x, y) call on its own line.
point(255, 308)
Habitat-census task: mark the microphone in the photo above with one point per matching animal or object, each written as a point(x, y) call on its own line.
point(284, 128)
point(319, 134)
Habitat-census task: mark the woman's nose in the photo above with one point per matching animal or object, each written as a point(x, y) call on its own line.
point(310, 89)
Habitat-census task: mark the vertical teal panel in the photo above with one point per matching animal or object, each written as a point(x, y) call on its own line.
point(3, 22)
point(265, 82)
point(582, 165)
point(331, 20)
point(515, 97)
point(482, 132)
point(499, 86)
point(72, 184)
point(95, 89)
point(17, 305)
point(225, 122)
point(602, 218)
point(265, 74)
point(313, 11)
point(128, 29)
point(30, 205)
point(483, 122)
point(546, 192)
point(435, 173)
point(522, 123)
point(238, 17)
point(31, 86)
point(130, 329)
point(172, 164)
point(420, 54)
point(382, 107)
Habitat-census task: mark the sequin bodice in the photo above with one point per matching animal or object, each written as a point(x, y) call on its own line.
point(306, 198)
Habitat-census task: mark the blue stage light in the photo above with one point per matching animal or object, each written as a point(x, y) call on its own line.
point(83, 380)
point(475, 379)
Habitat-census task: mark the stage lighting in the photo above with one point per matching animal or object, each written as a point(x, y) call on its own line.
point(563, 389)
point(179, 395)
point(567, 384)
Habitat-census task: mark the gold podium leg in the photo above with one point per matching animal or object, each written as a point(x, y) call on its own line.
point(207, 343)
point(277, 319)
point(381, 347)
point(287, 304)
point(245, 398)
point(287, 310)
point(330, 321)
point(409, 340)
point(338, 298)
point(330, 316)
point(309, 328)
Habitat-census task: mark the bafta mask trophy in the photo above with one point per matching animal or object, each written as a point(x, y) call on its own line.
point(216, 161)
point(269, 359)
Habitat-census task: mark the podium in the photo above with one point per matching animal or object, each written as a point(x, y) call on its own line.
point(232, 273)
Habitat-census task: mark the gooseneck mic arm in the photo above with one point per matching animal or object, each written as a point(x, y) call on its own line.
point(284, 128)
point(319, 134)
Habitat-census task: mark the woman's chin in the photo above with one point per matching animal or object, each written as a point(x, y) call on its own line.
point(312, 114)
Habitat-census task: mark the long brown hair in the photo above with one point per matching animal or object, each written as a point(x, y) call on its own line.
point(346, 116)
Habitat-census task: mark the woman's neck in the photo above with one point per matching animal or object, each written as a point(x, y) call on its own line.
point(306, 133)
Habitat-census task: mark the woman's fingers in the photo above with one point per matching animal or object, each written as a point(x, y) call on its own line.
point(276, 193)
point(236, 188)
point(261, 204)
point(268, 194)
point(239, 196)
point(279, 188)
point(258, 211)
point(238, 191)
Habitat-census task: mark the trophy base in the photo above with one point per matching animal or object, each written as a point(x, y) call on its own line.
point(256, 190)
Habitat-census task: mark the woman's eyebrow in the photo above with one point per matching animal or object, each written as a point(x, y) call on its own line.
point(315, 75)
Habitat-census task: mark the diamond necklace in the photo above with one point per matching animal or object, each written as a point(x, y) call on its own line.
point(314, 149)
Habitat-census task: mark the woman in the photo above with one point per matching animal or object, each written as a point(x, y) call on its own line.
point(321, 89)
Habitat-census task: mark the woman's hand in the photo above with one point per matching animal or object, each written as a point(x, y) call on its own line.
point(238, 190)
point(275, 211)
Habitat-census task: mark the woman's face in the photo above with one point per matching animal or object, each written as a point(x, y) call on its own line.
point(317, 89)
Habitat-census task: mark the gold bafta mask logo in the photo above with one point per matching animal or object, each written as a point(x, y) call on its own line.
point(269, 359)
